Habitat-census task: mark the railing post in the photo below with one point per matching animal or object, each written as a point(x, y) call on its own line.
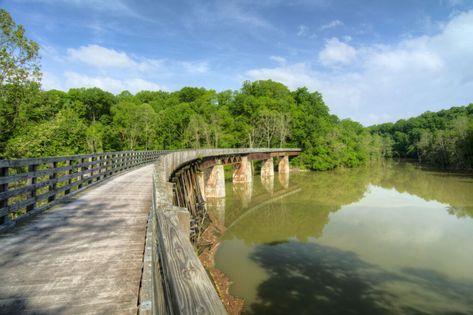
point(52, 187)
point(113, 163)
point(91, 167)
point(69, 181)
point(32, 181)
point(82, 169)
point(100, 166)
point(105, 165)
point(3, 188)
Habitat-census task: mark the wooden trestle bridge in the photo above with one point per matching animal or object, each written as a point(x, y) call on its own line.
point(123, 247)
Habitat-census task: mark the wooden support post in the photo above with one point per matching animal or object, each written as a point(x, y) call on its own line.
point(91, 167)
point(200, 183)
point(52, 187)
point(81, 169)
point(31, 181)
point(4, 203)
point(69, 173)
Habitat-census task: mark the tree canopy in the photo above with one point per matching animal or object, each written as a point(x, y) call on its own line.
point(34, 122)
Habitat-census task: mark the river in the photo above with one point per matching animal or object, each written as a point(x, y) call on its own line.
point(386, 239)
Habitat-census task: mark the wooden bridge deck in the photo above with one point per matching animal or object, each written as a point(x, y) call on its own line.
point(81, 257)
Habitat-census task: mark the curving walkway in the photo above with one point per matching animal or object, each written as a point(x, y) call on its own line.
point(81, 257)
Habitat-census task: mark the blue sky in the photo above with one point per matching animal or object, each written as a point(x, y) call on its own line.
point(372, 60)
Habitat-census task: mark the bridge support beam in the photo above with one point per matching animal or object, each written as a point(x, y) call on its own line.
point(267, 169)
point(284, 165)
point(243, 171)
point(200, 181)
point(215, 184)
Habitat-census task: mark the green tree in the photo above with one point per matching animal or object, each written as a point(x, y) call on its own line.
point(19, 74)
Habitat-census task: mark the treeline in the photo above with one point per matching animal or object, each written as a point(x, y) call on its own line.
point(260, 114)
point(443, 139)
point(36, 123)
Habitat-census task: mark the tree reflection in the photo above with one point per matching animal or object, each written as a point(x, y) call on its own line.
point(308, 278)
point(449, 188)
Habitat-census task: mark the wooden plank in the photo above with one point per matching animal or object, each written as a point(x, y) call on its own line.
point(46, 172)
point(56, 268)
point(51, 181)
point(52, 187)
point(4, 202)
point(46, 160)
point(191, 289)
point(69, 180)
point(31, 186)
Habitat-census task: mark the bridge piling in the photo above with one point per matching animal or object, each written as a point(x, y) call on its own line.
point(243, 171)
point(215, 184)
point(284, 165)
point(267, 169)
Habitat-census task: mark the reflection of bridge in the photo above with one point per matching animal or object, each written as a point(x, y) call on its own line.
point(86, 254)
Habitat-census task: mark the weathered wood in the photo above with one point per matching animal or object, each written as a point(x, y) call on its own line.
point(78, 171)
point(82, 257)
point(31, 186)
point(191, 289)
point(52, 187)
point(176, 268)
point(3, 202)
point(69, 180)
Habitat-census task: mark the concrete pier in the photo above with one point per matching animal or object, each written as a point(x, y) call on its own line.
point(284, 165)
point(215, 184)
point(267, 169)
point(243, 171)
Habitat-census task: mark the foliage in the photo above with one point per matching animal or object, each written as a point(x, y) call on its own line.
point(262, 113)
point(19, 75)
point(444, 138)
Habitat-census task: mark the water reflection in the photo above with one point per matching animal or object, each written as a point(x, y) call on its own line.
point(216, 209)
point(242, 193)
point(308, 278)
point(389, 239)
point(268, 184)
point(284, 180)
point(453, 189)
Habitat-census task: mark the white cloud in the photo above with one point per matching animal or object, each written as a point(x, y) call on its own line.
point(293, 76)
point(114, 85)
point(331, 24)
point(116, 7)
point(102, 57)
point(195, 67)
point(386, 82)
point(115, 71)
point(278, 59)
point(302, 30)
point(226, 12)
point(336, 52)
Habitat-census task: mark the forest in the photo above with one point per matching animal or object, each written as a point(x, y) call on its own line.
point(37, 123)
point(443, 139)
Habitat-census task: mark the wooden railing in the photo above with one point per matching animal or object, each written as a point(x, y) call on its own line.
point(28, 186)
point(174, 280)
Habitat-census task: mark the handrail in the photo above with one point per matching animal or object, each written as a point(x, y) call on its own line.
point(185, 287)
point(29, 186)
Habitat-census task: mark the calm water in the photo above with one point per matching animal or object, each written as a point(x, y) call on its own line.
point(392, 239)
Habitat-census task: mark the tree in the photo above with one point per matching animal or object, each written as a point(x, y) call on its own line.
point(18, 54)
point(19, 74)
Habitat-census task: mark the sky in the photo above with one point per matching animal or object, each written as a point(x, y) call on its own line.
point(373, 60)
